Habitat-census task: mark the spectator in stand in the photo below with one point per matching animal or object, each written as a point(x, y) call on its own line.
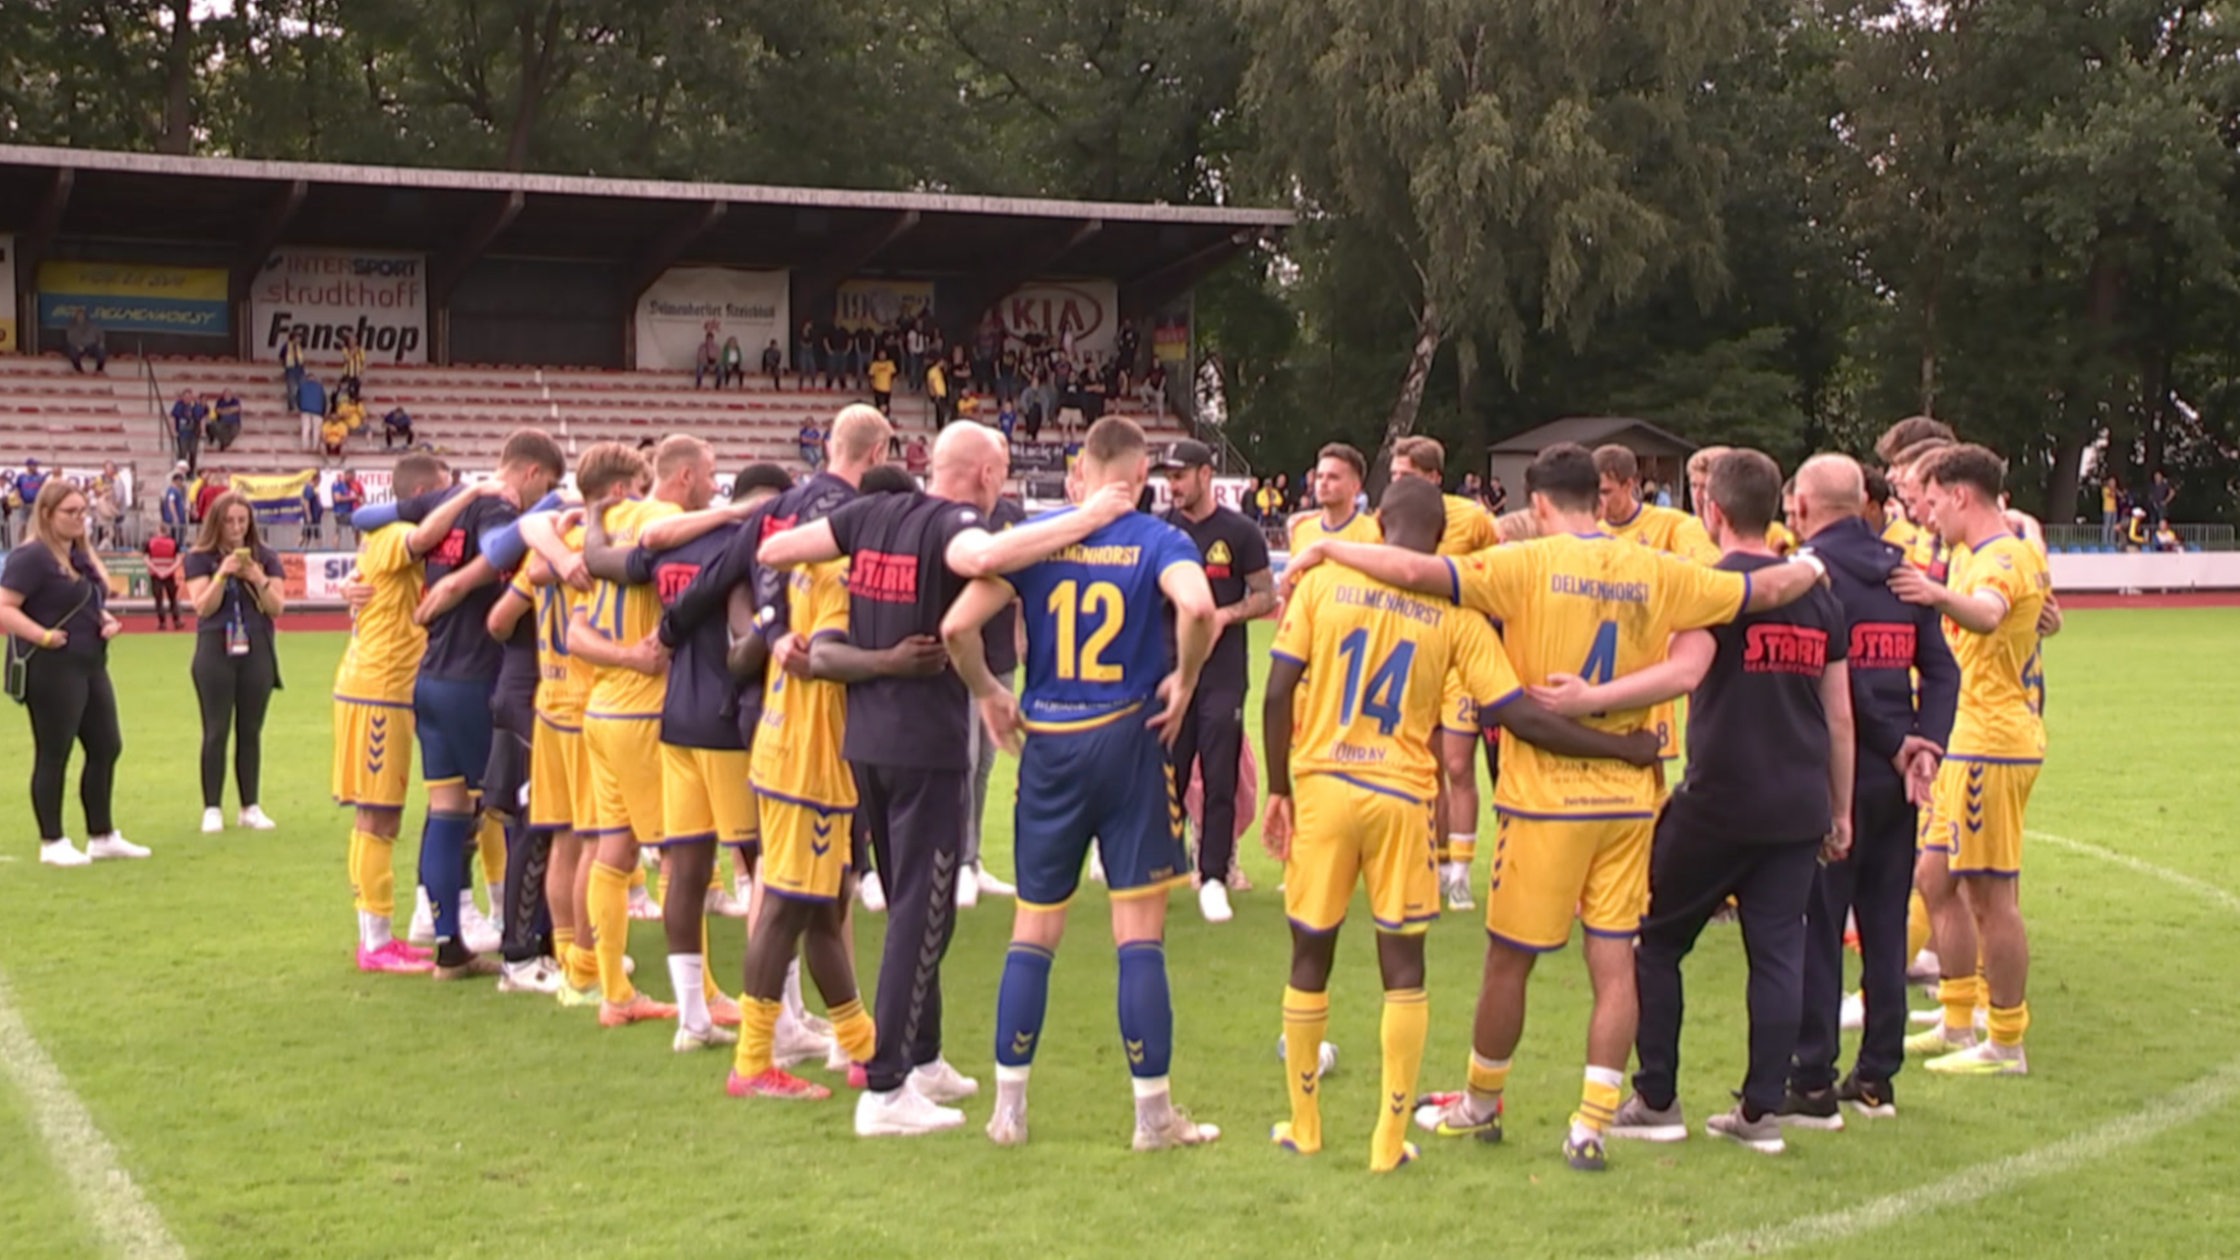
point(106, 497)
point(882, 372)
point(353, 382)
point(2139, 536)
point(1268, 500)
point(396, 427)
point(188, 416)
point(1007, 375)
point(1497, 496)
point(734, 364)
point(707, 362)
point(174, 510)
point(1007, 418)
point(233, 584)
point(774, 365)
point(1096, 387)
point(914, 354)
point(860, 349)
point(224, 428)
point(30, 482)
point(833, 349)
point(1153, 390)
point(312, 398)
point(959, 370)
point(83, 340)
point(937, 393)
point(351, 413)
point(2166, 538)
point(805, 354)
point(313, 511)
point(349, 494)
point(291, 368)
point(811, 439)
point(1129, 343)
point(2111, 509)
point(163, 579)
point(2159, 494)
point(916, 460)
point(206, 497)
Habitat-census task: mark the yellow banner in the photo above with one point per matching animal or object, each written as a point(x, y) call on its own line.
point(107, 279)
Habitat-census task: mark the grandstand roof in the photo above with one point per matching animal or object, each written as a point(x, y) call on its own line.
point(1156, 250)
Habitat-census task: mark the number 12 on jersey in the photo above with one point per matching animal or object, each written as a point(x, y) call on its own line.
point(1377, 699)
point(1070, 605)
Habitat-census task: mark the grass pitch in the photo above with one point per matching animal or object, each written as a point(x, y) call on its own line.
point(271, 1101)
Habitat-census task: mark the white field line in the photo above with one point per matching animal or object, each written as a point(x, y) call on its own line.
point(2188, 1103)
point(123, 1219)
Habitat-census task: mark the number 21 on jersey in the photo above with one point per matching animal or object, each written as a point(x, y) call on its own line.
point(1098, 608)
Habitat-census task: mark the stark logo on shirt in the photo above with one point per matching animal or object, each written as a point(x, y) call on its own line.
point(884, 576)
point(1881, 645)
point(1784, 650)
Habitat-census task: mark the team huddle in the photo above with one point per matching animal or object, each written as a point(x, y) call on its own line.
point(803, 674)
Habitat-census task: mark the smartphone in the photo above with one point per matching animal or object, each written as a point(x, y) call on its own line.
point(243, 554)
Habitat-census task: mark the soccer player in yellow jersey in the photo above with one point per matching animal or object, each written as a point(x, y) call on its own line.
point(622, 723)
point(373, 721)
point(1467, 527)
point(1356, 810)
point(1573, 838)
point(1991, 604)
point(1669, 530)
point(1339, 471)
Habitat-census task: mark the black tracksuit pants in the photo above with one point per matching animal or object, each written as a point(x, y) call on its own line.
point(916, 821)
point(1690, 876)
point(1213, 736)
point(1875, 885)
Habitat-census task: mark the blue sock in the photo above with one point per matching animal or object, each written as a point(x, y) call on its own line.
point(1021, 1001)
point(1146, 1009)
point(444, 844)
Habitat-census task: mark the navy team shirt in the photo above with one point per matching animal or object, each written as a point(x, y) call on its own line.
point(459, 643)
point(704, 706)
point(899, 585)
point(1095, 618)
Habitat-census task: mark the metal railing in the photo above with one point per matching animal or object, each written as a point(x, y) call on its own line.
point(2111, 536)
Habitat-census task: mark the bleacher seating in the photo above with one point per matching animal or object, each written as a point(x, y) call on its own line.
point(66, 419)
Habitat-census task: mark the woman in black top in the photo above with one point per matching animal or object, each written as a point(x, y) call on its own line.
point(54, 605)
point(233, 581)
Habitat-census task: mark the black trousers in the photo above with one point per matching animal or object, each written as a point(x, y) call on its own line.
point(1213, 737)
point(1875, 884)
point(1690, 876)
point(165, 591)
point(916, 823)
point(71, 702)
point(234, 691)
point(526, 921)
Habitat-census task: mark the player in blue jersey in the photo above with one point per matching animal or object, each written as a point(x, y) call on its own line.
point(1099, 709)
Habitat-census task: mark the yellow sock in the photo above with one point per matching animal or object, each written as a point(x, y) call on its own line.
point(610, 929)
point(853, 1031)
point(490, 846)
point(563, 941)
point(1306, 1017)
point(1462, 847)
point(758, 1026)
point(1598, 1099)
point(1917, 928)
point(1487, 1077)
point(354, 866)
point(2008, 1023)
point(1958, 997)
point(1440, 852)
point(708, 985)
point(583, 966)
point(1407, 1022)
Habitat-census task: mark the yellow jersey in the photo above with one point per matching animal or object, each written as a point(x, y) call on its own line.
point(1469, 527)
point(1781, 538)
point(1588, 605)
point(563, 680)
point(383, 658)
point(626, 614)
point(796, 753)
point(1669, 530)
point(2002, 679)
point(1307, 528)
point(1374, 655)
point(882, 373)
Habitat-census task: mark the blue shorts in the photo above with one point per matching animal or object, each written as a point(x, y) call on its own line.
point(453, 717)
point(1111, 784)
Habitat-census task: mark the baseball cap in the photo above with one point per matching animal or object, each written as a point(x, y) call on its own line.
point(30, 461)
point(1187, 454)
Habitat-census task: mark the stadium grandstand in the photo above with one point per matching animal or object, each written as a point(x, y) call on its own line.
point(489, 300)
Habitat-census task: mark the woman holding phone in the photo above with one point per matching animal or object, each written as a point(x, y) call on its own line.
point(54, 606)
point(233, 584)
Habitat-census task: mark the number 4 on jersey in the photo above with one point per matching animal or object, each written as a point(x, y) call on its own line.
point(1602, 658)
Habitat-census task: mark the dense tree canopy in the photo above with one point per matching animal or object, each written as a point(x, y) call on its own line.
point(1780, 222)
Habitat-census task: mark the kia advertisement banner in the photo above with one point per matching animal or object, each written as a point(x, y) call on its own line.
point(1087, 311)
point(382, 298)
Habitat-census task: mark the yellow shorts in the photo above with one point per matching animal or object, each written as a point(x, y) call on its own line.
point(1349, 831)
point(372, 753)
point(625, 757)
point(704, 796)
point(805, 848)
point(1979, 807)
point(560, 794)
point(1548, 870)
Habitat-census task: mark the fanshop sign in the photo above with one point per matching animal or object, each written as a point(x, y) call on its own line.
point(323, 293)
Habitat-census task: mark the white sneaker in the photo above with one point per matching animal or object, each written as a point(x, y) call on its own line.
point(1096, 868)
point(1326, 1059)
point(712, 1037)
point(793, 1043)
point(113, 845)
point(642, 906)
point(968, 891)
point(903, 1113)
point(1854, 1016)
point(423, 929)
point(873, 896)
point(61, 853)
point(213, 821)
point(723, 904)
point(253, 818)
point(1213, 903)
point(1454, 883)
point(990, 886)
point(537, 975)
point(835, 1058)
point(939, 1083)
point(477, 932)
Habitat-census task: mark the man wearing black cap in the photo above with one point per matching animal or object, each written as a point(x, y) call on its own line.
point(1236, 560)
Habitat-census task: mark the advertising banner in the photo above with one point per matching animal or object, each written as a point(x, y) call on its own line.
point(135, 298)
point(323, 573)
point(8, 344)
point(686, 302)
point(1086, 311)
point(381, 297)
point(276, 498)
point(867, 303)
